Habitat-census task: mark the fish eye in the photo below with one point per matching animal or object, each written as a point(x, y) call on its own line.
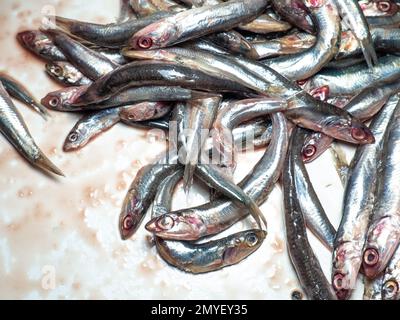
point(384, 6)
point(144, 42)
point(251, 239)
point(131, 116)
point(28, 37)
point(57, 71)
point(297, 295)
point(73, 137)
point(127, 223)
point(309, 151)
point(358, 134)
point(165, 223)
point(54, 102)
point(390, 288)
point(371, 257)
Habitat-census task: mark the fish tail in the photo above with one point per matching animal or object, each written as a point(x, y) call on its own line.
point(257, 214)
point(62, 23)
point(45, 164)
point(41, 110)
point(188, 177)
point(369, 53)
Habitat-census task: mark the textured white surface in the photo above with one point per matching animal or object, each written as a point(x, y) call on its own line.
point(68, 227)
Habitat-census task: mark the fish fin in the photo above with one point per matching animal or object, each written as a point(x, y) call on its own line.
point(45, 164)
point(62, 23)
point(188, 177)
point(41, 110)
point(369, 53)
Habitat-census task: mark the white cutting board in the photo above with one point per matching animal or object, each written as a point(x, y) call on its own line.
point(59, 237)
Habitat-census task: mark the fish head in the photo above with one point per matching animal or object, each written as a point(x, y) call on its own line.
point(31, 39)
point(296, 12)
point(387, 7)
point(62, 99)
point(156, 35)
point(56, 70)
point(242, 245)
point(131, 215)
point(311, 148)
point(347, 128)
point(345, 267)
point(378, 8)
point(181, 225)
point(144, 111)
point(391, 289)
point(77, 138)
point(381, 243)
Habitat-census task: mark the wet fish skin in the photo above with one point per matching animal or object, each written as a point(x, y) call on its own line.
point(308, 62)
point(196, 22)
point(222, 65)
point(385, 21)
point(359, 196)
point(202, 116)
point(303, 109)
point(304, 261)
point(163, 200)
point(384, 40)
point(289, 44)
point(89, 127)
point(212, 255)
point(212, 218)
point(13, 127)
point(224, 186)
point(296, 13)
point(205, 45)
point(383, 234)
point(145, 111)
point(352, 80)
point(363, 106)
point(113, 35)
point(41, 45)
point(143, 8)
point(162, 124)
point(339, 124)
point(17, 90)
point(265, 24)
point(141, 73)
point(233, 113)
point(308, 201)
point(91, 63)
point(66, 74)
point(232, 41)
point(126, 12)
point(353, 16)
point(62, 100)
point(140, 196)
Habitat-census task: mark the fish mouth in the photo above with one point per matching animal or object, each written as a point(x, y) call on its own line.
point(25, 38)
point(173, 228)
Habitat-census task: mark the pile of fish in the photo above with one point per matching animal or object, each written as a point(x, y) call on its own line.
point(290, 76)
